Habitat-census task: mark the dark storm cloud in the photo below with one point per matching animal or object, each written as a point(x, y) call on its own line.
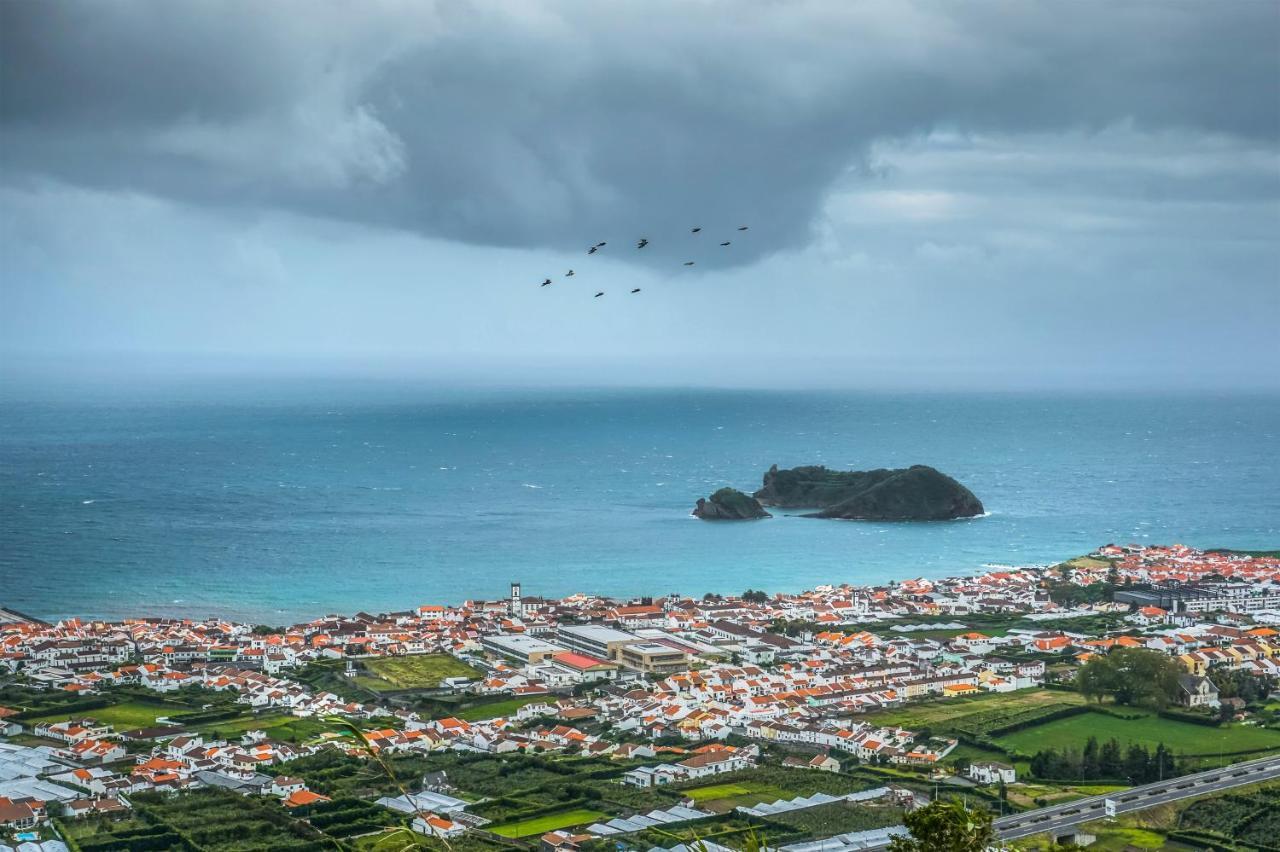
point(556, 124)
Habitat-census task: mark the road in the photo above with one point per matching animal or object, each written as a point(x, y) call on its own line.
point(1137, 798)
point(1061, 817)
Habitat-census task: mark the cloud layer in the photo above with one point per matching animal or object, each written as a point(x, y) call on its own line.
point(175, 170)
point(544, 124)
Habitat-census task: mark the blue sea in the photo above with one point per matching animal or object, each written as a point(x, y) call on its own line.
point(279, 503)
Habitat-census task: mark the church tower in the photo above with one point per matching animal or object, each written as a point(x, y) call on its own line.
point(516, 609)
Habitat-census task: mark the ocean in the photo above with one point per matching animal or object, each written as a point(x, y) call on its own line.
point(281, 504)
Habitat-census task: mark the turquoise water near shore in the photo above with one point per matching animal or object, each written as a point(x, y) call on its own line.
point(285, 503)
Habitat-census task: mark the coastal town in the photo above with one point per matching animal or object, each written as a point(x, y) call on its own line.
point(817, 719)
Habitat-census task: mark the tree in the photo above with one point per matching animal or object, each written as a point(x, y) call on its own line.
point(1089, 759)
point(1095, 679)
point(1111, 759)
point(946, 827)
point(1133, 676)
point(1137, 763)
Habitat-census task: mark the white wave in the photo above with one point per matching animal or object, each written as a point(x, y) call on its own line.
point(530, 485)
point(87, 502)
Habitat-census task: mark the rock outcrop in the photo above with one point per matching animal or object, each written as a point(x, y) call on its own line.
point(729, 504)
point(917, 493)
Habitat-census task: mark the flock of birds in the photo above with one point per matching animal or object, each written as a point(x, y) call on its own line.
point(644, 241)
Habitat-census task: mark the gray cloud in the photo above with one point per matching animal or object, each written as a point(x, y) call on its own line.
point(552, 124)
point(940, 194)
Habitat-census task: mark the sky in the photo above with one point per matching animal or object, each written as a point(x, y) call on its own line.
point(938, 194)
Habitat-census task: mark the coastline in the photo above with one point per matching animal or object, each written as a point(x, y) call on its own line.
point(281, 617)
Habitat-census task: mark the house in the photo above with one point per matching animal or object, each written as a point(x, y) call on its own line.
point(302, 798)
point(713, 763)
point(563, 841)
point(97, 805)
point(285, 786)
point(991, 772)
point(653, 776)
point(1147, 615)
point(825, 763)
point(1196, 691)
point(16, 815)
point(437, 826)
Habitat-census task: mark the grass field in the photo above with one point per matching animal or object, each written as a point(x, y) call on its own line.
point(746, 789)
point(938, 713)
point(548, 822)
point(500, 708)
point(418, 671)
point(277, 726)
point(1182, 737)
point(769, 785)
point(124, 716)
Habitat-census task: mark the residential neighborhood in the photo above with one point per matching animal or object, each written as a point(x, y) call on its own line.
point(880, 688)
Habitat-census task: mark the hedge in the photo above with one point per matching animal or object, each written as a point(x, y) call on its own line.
point(1063, 713)
point(70, 707)
point(1193, 718)
point(200, 717)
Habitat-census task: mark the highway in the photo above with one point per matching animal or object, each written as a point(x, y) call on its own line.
point(1137, 798)
point(1058, 818)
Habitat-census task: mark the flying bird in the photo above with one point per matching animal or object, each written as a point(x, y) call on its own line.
point(601, 243)
point(637, 290)
point(593, 249)
point(743, 228)
point(725, 243)
point(695, 230)
point(688, 263)
point(569, 274)
point(545, 283)
point(643, 242)
point(598, 295)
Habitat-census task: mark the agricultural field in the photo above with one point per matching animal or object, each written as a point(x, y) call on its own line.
point(494, 709)
point(125, 716)
point(212, 820)
point(1184, 738)
point(839, 818)
point(547, 822)
point(730, 830)
point(976, 712)
point(401, 840)
point(278, 726)
point(1249, 818)
point(767, 784)
point(338, 775)
point(417, 671)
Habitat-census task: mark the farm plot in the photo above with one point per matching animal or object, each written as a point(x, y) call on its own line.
point(124, 716)
point(980, 712)
point(1183, 738)
point(417, 671)
point(768, 784)
point(547, 822)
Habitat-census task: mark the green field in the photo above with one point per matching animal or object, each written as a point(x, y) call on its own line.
point(745, 790)
point(839, 818)
point(768, 784)
point(547, 822)
point(124, 716)
point(129, 715)
point(1149, 730)
point(499, 708)
point(277, 726)
point(418, 671)
point(941, 712)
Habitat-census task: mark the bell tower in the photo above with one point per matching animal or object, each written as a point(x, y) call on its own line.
point(514, 605)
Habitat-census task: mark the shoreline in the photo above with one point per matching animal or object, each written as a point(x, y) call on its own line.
point(249, 617)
